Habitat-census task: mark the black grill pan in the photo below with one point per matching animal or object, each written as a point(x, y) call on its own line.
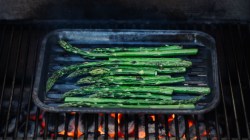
point(52, 57)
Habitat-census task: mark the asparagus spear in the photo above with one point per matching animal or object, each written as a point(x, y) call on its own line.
point(78, 72)
point(164, 90)
point(139, 89)
point(137, 49)
point(136, 71)
point(158, 70)
point(84, 104)
point(91, 55)
point(190, 90)
point(68, 47)
point(126, 70)
point(59, 73)
point(79, 100)
point(130, 80)
point(129, 95)
point(123, 71)
point(143, 59)
point(155, 64)
point(156, 53)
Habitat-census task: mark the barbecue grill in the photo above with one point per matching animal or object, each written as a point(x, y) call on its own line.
point(20, 118)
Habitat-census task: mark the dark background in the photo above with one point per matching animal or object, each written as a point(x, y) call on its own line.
point(126, 9)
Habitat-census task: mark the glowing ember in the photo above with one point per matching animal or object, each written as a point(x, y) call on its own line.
point(169, 134)
point(204, 133)
point(43, 124)
point(100, 129)
point(118, 118)
point(71, 129)
point(71, 133)
point(111, 135)
point(152, 117)
point(142, 134)
point(190, 123)
point(72, 113)
point(112, 115)
point(171, 118)
point(160, 137)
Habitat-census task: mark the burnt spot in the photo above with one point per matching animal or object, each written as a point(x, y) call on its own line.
point(133, 62)
point(139, 78)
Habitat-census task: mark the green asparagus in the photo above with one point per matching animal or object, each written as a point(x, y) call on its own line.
point(84, 104)
point(144, 59)
point(164, 90)
point(190, 90)
point(130, 101)
point(68, 47)
point(126, 70)
point(137, 49)
point(180, 106)
point(130, 80)
point(155, 64)
point(129, 95)
point(59, 73)
point(78, 72)
point(112, 89)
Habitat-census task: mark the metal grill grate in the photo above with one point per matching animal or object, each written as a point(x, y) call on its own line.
point(20, 118)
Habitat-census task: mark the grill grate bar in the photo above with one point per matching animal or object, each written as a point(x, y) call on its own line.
point(31, 85)
point(76, 125)
point(106, 126)
point(6, 69)
point(66, 126)
point(106, 130)
point(56, 126)
point(233, 42)
point(96, 126)
point(232, 92)
point(136, 119)
point(197, 127)
point(13, 82)
point(244, 52)
point(224, 108)
point(46, 122)
point(218, 37)
point(166, 127)
point(211, 30)
point(156, 127)
point(20, 98)
point(239, 78)
point(146, 126)
point(187, 128)
point(176, 121)
point(207, 130)
point(86, 128)
point(116, 126)
point(217, 125)
point(36, 123)
point(32, 80)
point(126, 126)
